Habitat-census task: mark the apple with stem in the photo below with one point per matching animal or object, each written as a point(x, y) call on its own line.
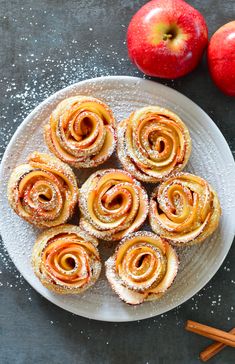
point(166, 38)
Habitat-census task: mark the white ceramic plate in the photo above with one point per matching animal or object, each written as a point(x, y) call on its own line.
point(211, 158)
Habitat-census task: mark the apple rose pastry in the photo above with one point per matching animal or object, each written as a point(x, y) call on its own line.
point(113, 204)
point(184, 209)
point(153, 143)
point(142, 268)
point(43, 191)
point(66, 259)
point(81, 131)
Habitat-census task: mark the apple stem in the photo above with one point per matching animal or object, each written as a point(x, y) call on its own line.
point(167, 36)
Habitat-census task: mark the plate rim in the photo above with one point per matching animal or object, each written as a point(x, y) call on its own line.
point(122, 78)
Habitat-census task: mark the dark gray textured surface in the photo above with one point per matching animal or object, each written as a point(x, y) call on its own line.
point(46, 45)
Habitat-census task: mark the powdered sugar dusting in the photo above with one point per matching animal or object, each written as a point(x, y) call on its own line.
point(123, 96)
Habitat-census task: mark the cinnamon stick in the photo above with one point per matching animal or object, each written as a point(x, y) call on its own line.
point(213, 349)
point(211, 332)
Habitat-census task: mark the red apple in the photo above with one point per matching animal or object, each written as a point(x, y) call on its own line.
point(221, 58)
point(166, 38)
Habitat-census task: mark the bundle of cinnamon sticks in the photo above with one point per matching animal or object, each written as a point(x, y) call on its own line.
point(221, 338)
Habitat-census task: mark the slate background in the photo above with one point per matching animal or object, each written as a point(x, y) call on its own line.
point(46, 45)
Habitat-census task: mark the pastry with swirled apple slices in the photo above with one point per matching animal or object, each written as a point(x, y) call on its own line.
point(43, 191)
point(113, 204)
point(184, 209)
point(142, 268)
point(81, 131)
point(153, 143)
point(66, 259)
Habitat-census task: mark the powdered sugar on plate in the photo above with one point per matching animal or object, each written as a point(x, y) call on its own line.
point(123, 94)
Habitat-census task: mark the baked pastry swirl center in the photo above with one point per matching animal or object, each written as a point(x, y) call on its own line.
point(44, 191)
point(81, 131)
point(142, 268)
point(66, 259)
point(153, 143)
point(184, 209)
point(113, 204)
